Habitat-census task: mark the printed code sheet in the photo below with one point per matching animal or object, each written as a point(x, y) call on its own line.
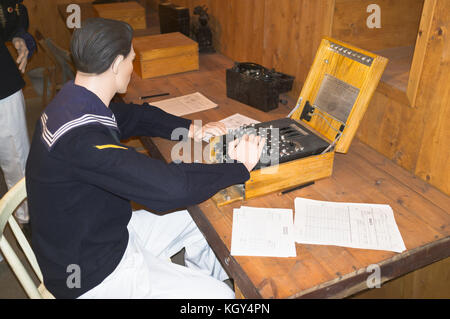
point(367, 226)
point(262, 232)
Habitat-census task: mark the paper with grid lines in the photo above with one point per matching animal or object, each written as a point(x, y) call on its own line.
point(366, 226)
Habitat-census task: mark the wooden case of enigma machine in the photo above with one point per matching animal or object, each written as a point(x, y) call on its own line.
point(300, 148)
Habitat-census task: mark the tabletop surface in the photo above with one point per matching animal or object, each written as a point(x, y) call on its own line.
point(361, 176)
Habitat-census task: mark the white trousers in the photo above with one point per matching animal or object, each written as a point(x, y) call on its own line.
point(14, 144)
point(145, 270)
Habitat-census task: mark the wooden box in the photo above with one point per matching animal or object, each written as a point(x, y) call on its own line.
point(164, 54)
point(338, 87)
point(131, 12)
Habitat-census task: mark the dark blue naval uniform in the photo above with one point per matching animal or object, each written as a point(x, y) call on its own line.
point(13, 23)
point(80, 181)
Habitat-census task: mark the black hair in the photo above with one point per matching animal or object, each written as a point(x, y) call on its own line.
point(98, 42)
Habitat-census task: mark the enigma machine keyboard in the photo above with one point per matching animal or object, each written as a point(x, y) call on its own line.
point(286, 140)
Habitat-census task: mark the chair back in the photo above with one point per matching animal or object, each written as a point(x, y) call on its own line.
point(8, 204)
point(47, 86)
point(58, 61)
point(63, 58)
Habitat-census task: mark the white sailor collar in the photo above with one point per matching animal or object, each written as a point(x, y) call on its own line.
point(72, 107)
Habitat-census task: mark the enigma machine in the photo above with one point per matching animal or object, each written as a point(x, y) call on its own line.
point(300, 148)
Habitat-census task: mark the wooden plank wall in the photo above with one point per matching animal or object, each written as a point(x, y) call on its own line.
point(428, 282)
point(280, 34)
point(433, 99)
point(399, 23)
point(418, 138)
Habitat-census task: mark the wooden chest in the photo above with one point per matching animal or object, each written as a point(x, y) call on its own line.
point(164, 54)
point(333, 100)
point(131, 12)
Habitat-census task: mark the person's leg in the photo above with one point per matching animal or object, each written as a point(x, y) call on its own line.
point(15, 144)
point(146, 272)
point(172, 232)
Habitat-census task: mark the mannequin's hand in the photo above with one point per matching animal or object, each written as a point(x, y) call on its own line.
point(210, 129)
point(247, 150)
point(22, 52)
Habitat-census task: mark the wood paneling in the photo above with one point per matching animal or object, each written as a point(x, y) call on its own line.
point(418, 138)
point(433, 98)
point(420, 50)
point(280, 34)
point(399, 23)
point(293, 31)
point(429, 282)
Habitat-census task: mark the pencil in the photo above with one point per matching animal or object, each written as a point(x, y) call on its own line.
point(295, 188)
point(155, 95)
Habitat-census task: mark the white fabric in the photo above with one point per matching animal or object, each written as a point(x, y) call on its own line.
point(14, 144)
point(145, 270)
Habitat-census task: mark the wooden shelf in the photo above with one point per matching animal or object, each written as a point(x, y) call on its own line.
point(394, 81)
point(397, 71)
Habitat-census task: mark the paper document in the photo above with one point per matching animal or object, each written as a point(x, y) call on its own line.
point(367, 226)
point(185, 104)
point(233, 122)
point(263, 232)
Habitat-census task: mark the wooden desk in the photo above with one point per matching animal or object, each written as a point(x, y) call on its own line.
point(362, 175)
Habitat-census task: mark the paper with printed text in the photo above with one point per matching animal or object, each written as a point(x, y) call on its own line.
point(186, 104)
point(366, 226)
point(262, 232)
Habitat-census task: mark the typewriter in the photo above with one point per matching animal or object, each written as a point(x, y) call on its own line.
point(173, 18)
point(257, 86)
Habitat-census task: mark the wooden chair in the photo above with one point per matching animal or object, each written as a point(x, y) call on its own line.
point(8, 204)
point(57, 62)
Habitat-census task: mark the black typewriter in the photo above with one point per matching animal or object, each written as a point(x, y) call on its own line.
point(257, 86)
point(174, 18)
point(286, 140)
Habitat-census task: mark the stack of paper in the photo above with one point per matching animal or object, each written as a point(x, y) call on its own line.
point(367, 226)
point(272, 232)
point(263, 232)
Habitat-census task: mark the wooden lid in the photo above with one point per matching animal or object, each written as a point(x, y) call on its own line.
point(163, 45)
point(339, 87)
point(118, 6)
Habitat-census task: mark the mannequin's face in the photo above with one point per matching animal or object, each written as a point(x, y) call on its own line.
point(124, 72)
